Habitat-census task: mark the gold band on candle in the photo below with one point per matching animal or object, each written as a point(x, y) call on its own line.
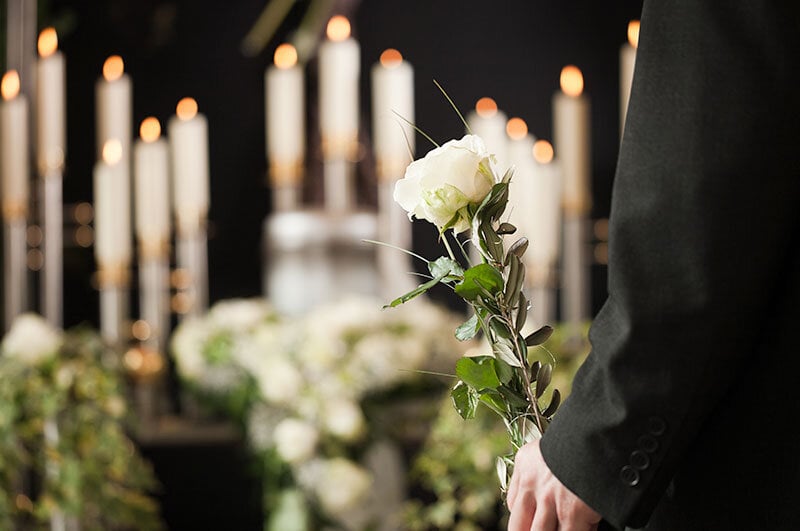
point(285, 173)
point(14, 210)
point(152, 248)
point(51, 163)
point(577, 207)
point(391, 169)
point(540, 275)
point(113, 276)
point(343, 146)
point(190, 220)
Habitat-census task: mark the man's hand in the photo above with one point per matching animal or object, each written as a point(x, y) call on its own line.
point(540, 502)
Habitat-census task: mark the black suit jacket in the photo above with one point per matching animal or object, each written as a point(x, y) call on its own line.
point(685, 414)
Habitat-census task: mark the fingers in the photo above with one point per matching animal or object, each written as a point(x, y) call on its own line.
point(513, 487)
point(545, 519)
point(522, 512)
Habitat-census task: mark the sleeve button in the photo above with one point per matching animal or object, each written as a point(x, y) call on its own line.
point(629, 476)
point(656, 426)
point(648, 443)
point(639, 460)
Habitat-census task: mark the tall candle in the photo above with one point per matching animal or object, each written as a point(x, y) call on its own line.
point(489, 123)
point(627, 61)
point(111, 197)
point(571, 138)
point(188, 139)
point(285, 116)
point(113, 107)
point(392, 111)
point(14, 147)
point(545, 208)
point(50, 104)
point(151, 168)
point(339, 64)
point(519, 146)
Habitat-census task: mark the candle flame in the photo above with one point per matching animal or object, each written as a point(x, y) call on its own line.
point(571, 81)
point(633, 33)
point(391, 58)
point(486, 107)
point(113, 68)
point(516, 128)
point(150, 129)
point(338, 28)
point(9, 87)
point(48, 42)
point(543, 151)
point(186, 109)
point(112, 151)
point(285, 56)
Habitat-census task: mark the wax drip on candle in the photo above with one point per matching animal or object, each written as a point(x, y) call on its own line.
point(10, 85)
point(571, 81)
point(486, 107)
point(285, 56)
point(112, 152)
point(633, 33)
point(150, 129)
point(186, 109)
point(48, 42)
point(113, 68)
point(516, 128)
point(338, 28)
point(543, 151)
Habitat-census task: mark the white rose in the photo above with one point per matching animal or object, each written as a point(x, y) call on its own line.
point(278, 379)
point(341, 486)
point(187, 343)
point(343, 418)
point(31, 339)
point(447, 179)
point(239, 314)
point(295, 440)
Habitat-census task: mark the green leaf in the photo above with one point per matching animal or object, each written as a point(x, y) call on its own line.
point(465, 400)
point(540, 336)
point(519, 247)
point(514, 398)
point(446, 268)
point(543, 378)
point(504, 352)
point(502, 473)
point(516, 278)
point(469, 328)
point(522, 312)
point(480, 276)
point(419, 290)
point(506, 228)
point(500, 329)
point(504, 371)
point(478, 372)
point(494, 401)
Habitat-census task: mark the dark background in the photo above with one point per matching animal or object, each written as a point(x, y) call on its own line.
point(512, 50)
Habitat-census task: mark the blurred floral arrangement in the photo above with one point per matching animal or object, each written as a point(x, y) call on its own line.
point(323, 399)
point(456, 487)
point(64, 448)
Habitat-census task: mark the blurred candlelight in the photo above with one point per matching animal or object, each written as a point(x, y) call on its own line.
point(489, 123)
point(14, 167)
point(392, 104)
point(188, 138)
point(627, 63)
point(571, 134)
point(50, 108)
point(339, 65)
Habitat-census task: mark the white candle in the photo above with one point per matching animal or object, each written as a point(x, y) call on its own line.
point(627, 61)
point(339, 64)
point(545, 208)
point(14, 147)
point(489, 123)
point(392, 111)
point(112, 223)
point(519, 155)
point(285, 109)
point(571, 138)
point(151, 168)
point(50, 104)
point(113, 107)
point(188, 140)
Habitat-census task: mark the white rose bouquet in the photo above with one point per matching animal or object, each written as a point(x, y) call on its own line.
point(455, 187)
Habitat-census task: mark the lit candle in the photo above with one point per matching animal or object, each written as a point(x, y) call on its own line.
point(14, 147)
point(50, 104)
point(339, 64)
point(489, 123)
point(111, 200)
point(627, 61)
point(285, 117)
point(113, 107)
point(188, 139)
point(571, 135)
point(519, 146)
point(544, 205)
point(151, 182)
point(392, 110)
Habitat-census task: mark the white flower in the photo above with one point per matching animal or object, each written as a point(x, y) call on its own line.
point(447, 179)
point(295, 440)
point(239, 314)
point(31, 339)
point(341, 486)
point(343, 418)
point(278, 380)
point(187, 345)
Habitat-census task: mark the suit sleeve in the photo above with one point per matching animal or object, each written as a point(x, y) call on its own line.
point(704, 208)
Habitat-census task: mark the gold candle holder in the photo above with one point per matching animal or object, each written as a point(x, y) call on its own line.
point(192, 257)
point(15, 263)
point(286, 178)
point(339, 154)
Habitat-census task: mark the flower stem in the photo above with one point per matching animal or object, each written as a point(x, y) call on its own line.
point(447, 246)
